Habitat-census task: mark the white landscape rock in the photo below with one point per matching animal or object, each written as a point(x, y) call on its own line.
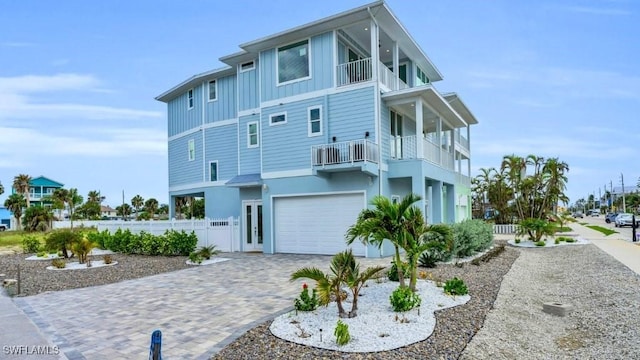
point(94, 252)
point(375, 328)
point(207, 262)
point(549, 243)
point(77, 266)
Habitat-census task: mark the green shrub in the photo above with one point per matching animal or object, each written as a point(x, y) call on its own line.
point(30, 244)
point(107, 259)
point(403, 299)
point(430, 258)
point(517, 241)
point(100, 238)
point(392, 274)
point(540, 243)
point(208, 251)
point(180, 243)
point(557, 241)
point(62, 240)
point(306, 302)
point(171, 243)
point(59, 263)
point(82, 247)
point(535, 228)
point(195, 258)
point(471, 237)
point(342, 333)
point(41, 253)
point(455, 286)
point(570, 240)
point(565, 238)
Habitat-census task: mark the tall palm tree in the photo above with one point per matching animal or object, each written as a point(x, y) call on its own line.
point(59, 198)
point(386, 221)
point(137, 202)
point(15, 203)
point(515, 167)
point(74, 199)
point(1, 189)
point(556, 183)
point(124, 210)
point(21, 186)
point(94, 196)
point(151, 206)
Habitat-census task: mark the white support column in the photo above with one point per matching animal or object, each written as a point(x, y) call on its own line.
point(375, 50)
point(396, 66)
point(469, 150)
point(419, 127)
point(439, 138)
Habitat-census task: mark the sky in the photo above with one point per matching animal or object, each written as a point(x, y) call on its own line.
point(78, 80)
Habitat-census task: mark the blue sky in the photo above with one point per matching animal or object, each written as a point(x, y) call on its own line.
point(78, 81)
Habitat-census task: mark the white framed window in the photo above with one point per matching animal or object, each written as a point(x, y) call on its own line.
point(252, 134)
point(278, 119)
point(421, 77)
point(213, 170)
point(395, 199)
point(293, 62)
point(190, 99)
point(249, 65)
point(192, 150)
point(314, 114)
point(213, 90)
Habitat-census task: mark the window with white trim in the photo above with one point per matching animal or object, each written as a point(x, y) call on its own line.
point(213, 170)
point(293, 62)
point(395, 199)
point(249, 65)
point(190, 99)
point(315, 120)
point(252, 134)
point(278, 119)
point(213, 90)
point(192, 150)
point(421, 77)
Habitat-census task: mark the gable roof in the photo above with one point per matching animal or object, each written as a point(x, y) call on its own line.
point(44, 181)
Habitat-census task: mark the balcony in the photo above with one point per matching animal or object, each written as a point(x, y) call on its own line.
point(354, 72)
point(405, 147)
point(346, 156)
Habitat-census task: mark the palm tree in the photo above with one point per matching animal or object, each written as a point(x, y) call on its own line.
point(94, 197)
point(21, 186)
point(124, 210)
point(37, 218)
point(59, 198)
point(1, 189)
point(137, 202)
point(556, 183)
point(355, 280)
point(15, 203)
point(150, 207)
point(74, 199)
point(386, 221)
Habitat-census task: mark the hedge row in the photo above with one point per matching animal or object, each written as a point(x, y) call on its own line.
point(170, 243)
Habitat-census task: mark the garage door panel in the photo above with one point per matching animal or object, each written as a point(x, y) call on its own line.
point(316, 224)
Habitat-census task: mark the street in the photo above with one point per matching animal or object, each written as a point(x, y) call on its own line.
point(624, 233)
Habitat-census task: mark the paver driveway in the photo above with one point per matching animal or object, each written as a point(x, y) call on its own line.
point(198, 310)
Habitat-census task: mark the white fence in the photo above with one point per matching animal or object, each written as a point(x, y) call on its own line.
point(505, 228)
point(224, 233)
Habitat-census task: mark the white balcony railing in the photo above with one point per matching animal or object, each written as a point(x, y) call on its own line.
point(389, 79)
point(404, 147)
point(354, 72)
point(344, 152)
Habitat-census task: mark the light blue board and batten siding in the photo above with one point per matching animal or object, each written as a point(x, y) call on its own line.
point(345, 115)
point(249, 157)
point(180, 117)
point(321, 70)
point(181, 170)
point(221, 145)
point(248, 89)
point(224, 107)
point(385, 129)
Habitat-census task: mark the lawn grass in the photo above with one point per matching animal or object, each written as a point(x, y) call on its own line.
point(12, 240)
point(602, 229)
point(563, 229)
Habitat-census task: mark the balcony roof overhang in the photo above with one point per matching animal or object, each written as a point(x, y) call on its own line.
point(431, 99)
point(247, 180)
point(194, 81)
point(461, 108)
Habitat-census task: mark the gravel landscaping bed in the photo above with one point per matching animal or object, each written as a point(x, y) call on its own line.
point(35, 278)
point(454, 326)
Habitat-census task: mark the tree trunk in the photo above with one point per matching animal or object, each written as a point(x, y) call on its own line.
point(354, 304)
point(399, 267)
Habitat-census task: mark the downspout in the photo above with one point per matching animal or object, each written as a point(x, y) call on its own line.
point(375, 51)
point(204, 153)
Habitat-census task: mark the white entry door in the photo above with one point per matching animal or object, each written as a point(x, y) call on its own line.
point(252, 225)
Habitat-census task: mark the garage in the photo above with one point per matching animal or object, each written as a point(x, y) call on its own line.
point(316, 224)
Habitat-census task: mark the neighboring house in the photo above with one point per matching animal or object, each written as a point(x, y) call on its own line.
point(40, 191)
point(107, 213)
point(5, 217)
point(303, 128)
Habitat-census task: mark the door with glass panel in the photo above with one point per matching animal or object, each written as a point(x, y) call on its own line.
point(252, 225)
point(396, 135)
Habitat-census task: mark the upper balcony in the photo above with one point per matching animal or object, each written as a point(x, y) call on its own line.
point(346, 156)
point(358, 71)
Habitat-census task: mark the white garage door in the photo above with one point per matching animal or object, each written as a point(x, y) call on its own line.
point(316, 224)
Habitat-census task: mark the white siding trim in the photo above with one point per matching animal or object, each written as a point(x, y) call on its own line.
point(198, 185)
point(271, 116)
point(315, 94)
point(257, 144)
point(309, 133)
point(249, 112)
point(287, 173)
point(221, 123)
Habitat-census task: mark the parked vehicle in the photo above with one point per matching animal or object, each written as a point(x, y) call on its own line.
point(578, 215)
point(610, 217)
point(624, 219)
point(593, 213)
point(3, 227)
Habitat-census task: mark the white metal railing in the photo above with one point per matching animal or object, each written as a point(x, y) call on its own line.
point(389, 79)
point(431, 151)
point(404, 147)
point(505, 228)
point(354, 72)
point(344, 152)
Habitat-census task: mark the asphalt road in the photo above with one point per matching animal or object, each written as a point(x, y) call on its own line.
point(623, 233)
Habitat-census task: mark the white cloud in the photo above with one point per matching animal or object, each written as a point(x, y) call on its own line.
point(37, 83)
point(597, 11)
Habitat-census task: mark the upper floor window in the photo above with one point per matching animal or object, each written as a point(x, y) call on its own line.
point(278, 119)
point(315, 121)
point(213, 90)
point(421, 77)
point(192, 150)
point(190, 99)
point(293, 62)
point(250, 65)
point(252, 134)
point(213, 170)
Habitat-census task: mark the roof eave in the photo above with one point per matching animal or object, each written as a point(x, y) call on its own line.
point(193, 81)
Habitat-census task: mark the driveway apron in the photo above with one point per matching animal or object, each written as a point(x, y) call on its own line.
point(198, 310)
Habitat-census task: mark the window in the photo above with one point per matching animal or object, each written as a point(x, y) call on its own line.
point(293, 62)
point(247, 66)
point(421, 77)
point(213, 170)
point(190, 99)
point(252, 134)
point(213, 87)
point(192, 150)
point(315, 121)
point(395, 199)
point(278, 119)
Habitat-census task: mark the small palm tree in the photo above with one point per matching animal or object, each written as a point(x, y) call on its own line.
point(1, 189)
point(21, 186)
point(15, 203)
point(355, 279)
point(150, 207)
point(137, 202)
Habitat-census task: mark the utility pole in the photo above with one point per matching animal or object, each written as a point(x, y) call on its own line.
point(624, 205)
point(611, 192)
